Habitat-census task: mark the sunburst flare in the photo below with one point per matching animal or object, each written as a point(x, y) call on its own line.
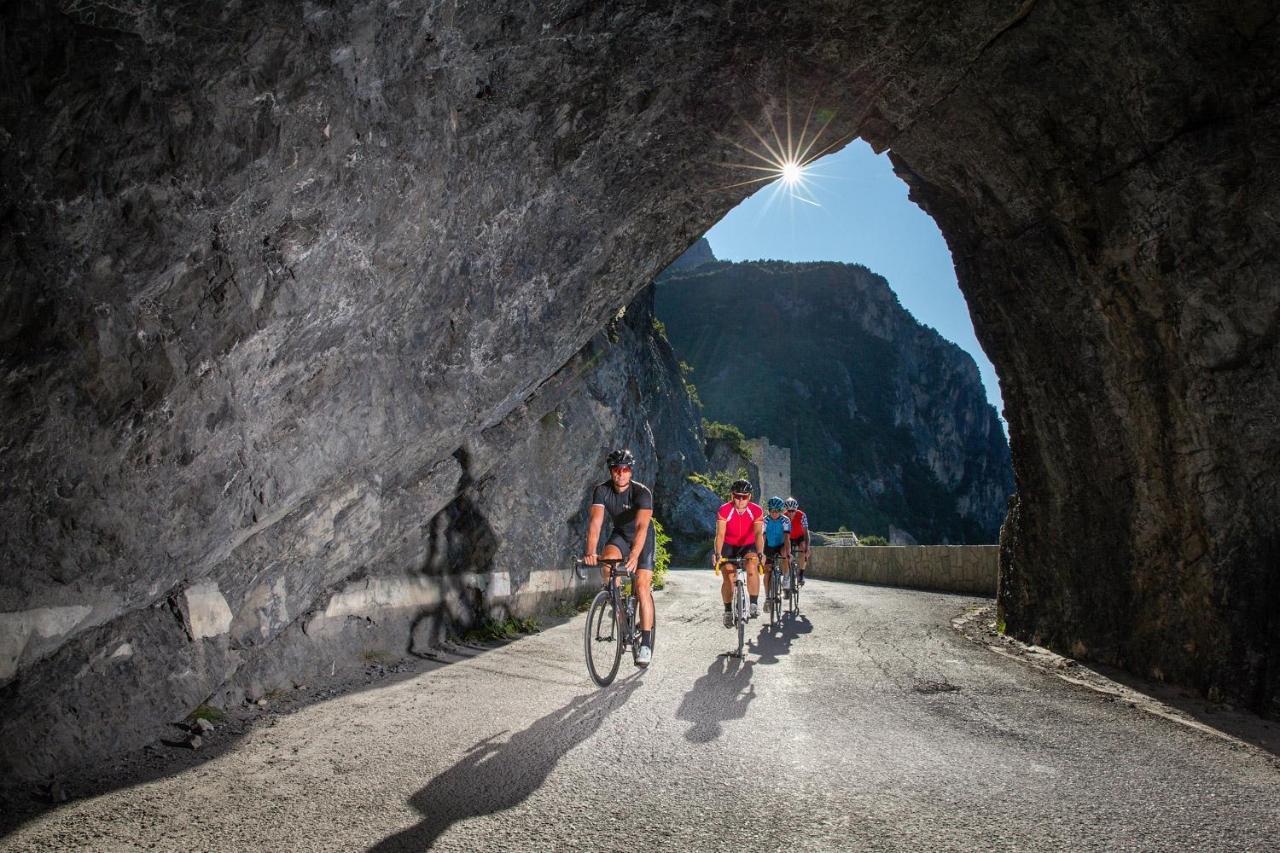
point(784, 159)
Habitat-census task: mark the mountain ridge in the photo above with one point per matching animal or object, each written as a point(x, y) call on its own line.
point(887, 420)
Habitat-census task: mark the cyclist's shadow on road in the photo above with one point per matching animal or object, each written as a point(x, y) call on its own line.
point(717, 697)
point(773, 643)
point(496, 775)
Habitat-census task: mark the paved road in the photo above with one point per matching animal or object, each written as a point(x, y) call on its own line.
point(868, 724)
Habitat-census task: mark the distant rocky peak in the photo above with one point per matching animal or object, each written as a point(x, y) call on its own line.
point(695, 256)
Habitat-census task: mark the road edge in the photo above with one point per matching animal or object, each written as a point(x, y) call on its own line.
point(977, 625)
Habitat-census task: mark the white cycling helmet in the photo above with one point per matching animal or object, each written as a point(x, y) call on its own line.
point(792, 503)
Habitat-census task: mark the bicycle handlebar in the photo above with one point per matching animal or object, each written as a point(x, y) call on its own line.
point(611, 563)
point(736, 561)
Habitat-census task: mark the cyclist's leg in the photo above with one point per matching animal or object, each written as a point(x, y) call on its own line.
point(753, 575)
point(610, 552)
point(644, 579)
point(643, 585)
point(728, 570)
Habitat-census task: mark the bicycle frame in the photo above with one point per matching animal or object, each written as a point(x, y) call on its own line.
point(740, 612)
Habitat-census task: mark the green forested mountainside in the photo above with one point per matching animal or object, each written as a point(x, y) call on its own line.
point(887, 422)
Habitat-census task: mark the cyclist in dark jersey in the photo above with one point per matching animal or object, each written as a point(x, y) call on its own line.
point(629, 506)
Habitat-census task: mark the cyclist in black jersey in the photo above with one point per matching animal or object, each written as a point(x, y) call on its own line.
point(629, 506)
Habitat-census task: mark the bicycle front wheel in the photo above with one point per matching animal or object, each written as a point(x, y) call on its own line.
point(602, 640)
point(795, 596)
point(771, 599)
point(741, 599)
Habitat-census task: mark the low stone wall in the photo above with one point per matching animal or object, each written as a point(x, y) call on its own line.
point(373, 619)
point(949, 568)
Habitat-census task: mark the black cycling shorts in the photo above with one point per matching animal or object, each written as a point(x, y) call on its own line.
point(771, 551)
point(733, 552)
point(647, 556)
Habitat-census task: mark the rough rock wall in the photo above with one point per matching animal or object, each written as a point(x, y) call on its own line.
point(1107, 184)
point(268, 269)
point(502, 543)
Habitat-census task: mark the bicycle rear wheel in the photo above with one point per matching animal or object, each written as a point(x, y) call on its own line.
point(602, 640)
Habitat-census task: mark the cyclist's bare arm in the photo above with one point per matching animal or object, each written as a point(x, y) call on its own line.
point(760, 536)
point(719, 546)
point(593, 534)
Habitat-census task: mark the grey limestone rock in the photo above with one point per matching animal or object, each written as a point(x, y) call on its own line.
point(285, 285)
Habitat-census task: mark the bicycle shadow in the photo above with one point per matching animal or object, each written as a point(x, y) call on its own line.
point(493, 776)
point(721, 695)
point(772, 643)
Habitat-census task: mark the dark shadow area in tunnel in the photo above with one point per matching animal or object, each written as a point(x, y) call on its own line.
point(494, 776)
point(460, 540)
point(721, 695)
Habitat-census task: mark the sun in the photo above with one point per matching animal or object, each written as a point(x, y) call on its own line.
point(783, 158)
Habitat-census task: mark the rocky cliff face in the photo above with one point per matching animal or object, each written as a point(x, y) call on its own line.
point(887, 422)
point(501, 543)
point(276, 275)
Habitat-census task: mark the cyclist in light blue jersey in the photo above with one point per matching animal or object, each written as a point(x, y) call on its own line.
point(777, 535)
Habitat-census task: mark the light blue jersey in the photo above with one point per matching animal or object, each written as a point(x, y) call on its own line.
point(776, 530)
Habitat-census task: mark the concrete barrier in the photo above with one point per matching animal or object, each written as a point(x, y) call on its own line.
point(970, 569)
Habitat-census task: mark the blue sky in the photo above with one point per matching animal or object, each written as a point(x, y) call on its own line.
point(862, 215)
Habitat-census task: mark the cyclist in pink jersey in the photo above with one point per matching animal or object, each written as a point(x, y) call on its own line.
point(740, 533)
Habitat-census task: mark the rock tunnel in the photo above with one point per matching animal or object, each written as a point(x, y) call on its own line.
point(284, 286)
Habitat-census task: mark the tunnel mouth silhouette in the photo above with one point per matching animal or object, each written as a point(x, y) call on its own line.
point(282, 265)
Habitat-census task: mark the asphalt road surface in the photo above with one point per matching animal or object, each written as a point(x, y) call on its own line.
point(867, 724)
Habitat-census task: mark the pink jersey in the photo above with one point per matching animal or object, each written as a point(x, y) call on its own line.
point(740, 527)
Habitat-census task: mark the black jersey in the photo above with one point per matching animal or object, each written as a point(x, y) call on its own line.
point(621, 507)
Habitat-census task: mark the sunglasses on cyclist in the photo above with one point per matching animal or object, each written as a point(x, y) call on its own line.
point(620, 469)
point(741, 497)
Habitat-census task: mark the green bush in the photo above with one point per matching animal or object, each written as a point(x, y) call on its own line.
point(203, 711)
point(662, 560)
point(872, 540)
point(689, 387)
point(497, 630)
point(729, 433)
point(720, 482)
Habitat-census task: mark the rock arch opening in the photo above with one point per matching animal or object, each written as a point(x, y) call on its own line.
point(797, 337)
point(268, 272)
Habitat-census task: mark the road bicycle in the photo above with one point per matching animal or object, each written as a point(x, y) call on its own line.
point(774, 589)
point(613, 624)
point(741, 613)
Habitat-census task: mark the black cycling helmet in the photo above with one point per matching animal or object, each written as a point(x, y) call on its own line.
point(621, 457)
point(741, 487)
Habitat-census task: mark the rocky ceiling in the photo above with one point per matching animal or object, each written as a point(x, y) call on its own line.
point(267, 267)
